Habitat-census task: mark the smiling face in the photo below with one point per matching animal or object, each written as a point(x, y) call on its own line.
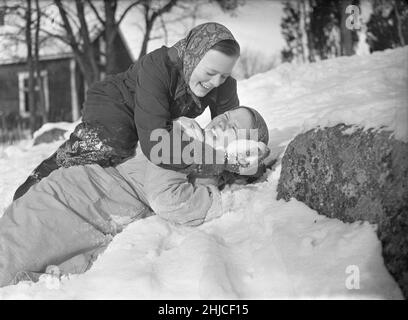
point(213, 69)
point(229, 126)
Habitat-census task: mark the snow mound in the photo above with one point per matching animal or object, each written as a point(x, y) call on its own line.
point(261, 249)
point(367, 91)
point(68, 126)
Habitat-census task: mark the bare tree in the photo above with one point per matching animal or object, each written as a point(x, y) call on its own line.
point(26, 22)
point(17, 36)
point(107, 21)
point(150, 16)
point(82, 46)
point(79, 23)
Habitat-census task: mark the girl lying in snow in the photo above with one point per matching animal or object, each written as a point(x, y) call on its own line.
point(166, 84)
point(68, 218)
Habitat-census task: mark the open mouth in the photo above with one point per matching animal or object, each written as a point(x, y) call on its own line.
point(205, 86)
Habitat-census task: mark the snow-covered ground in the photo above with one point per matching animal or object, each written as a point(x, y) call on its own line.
point(262, 248)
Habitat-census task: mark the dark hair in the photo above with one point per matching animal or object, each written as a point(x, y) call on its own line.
point(229, 47)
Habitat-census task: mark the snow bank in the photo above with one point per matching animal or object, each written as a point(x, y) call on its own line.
point(369, 91)
point(68, 126)
point(262, 248)
point(17, 161)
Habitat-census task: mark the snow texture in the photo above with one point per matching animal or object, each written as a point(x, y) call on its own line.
point(261, 248)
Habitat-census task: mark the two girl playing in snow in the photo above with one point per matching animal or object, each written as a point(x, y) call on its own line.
point(97, 182)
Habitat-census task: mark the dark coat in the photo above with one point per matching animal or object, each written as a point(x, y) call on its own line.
point(148, 96)
point(124, 109)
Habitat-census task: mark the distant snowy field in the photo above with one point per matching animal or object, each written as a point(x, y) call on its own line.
point(261, 248)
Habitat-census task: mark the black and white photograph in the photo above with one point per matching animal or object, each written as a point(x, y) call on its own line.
point(207, 151)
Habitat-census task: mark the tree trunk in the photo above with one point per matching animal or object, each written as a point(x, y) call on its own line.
point(85, 56)
point(40, 84)
point(302, 30)
point(88, 48)
point(146, 39)
point(111, 30)
point(30, 67)
point(88, 72)
point(309, 35)
point(346, 37)
point(399, 23)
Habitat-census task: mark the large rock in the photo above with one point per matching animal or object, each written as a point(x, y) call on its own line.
point(352, 174)
point(51, 135)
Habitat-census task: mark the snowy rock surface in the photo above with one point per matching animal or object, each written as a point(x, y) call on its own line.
point(351, 174)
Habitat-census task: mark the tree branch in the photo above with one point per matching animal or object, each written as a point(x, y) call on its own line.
point(68, 28)
point(124, 13)
point(95, 11)
point(10, 9)
point(83, 29)
point(163, 10)
point(52, 19)
point(163, 25)
point(56, 36)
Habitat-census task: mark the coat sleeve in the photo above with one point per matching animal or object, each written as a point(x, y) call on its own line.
point(174, 198)
point(152, 109)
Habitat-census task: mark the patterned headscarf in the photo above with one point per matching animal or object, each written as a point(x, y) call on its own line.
point(198, 42)
point(259, 123)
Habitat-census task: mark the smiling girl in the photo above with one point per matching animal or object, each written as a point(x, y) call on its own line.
point(168, 83)
point(67, 219)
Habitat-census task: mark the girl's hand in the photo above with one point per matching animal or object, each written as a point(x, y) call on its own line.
point(191, 128)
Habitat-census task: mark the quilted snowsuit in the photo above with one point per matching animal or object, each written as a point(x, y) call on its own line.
point(68, 218)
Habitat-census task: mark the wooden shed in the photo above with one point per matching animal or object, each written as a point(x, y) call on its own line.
point(63, 84)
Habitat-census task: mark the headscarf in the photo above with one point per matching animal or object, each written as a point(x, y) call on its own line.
point(197, 43)
point(191, 50)
point(259, 124)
